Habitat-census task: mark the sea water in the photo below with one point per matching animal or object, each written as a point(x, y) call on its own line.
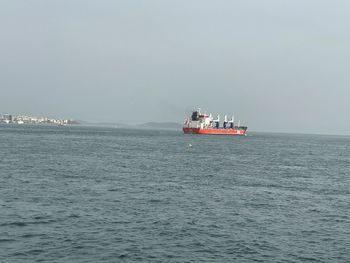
point(85, 194)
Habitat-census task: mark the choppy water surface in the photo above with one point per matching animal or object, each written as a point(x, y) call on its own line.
point(80, 194)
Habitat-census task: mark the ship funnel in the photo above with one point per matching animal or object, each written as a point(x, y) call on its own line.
point(225, 119)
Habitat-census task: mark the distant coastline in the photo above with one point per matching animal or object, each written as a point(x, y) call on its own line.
point(161, 125)
point(147, 125)
point(23, 119)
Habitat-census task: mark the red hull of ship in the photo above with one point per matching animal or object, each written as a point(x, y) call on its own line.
point(213, 131)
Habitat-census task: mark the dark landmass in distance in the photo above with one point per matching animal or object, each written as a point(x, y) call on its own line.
point(161, 125)
point(147, 125)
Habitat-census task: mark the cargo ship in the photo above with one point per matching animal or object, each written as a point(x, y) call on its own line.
point(202, 123)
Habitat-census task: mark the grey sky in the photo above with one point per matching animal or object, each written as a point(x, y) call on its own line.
point(279, 65)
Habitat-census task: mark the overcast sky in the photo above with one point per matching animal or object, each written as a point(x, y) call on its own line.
point(279, 65)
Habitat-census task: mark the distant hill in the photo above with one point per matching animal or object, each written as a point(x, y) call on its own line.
point(161, 125)
point(107, 124)
point(147, 125)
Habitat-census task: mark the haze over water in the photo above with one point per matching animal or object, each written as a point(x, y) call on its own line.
point(82, 194)
point(279, 65)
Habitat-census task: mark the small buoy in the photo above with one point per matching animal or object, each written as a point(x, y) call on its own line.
point(189, 145)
